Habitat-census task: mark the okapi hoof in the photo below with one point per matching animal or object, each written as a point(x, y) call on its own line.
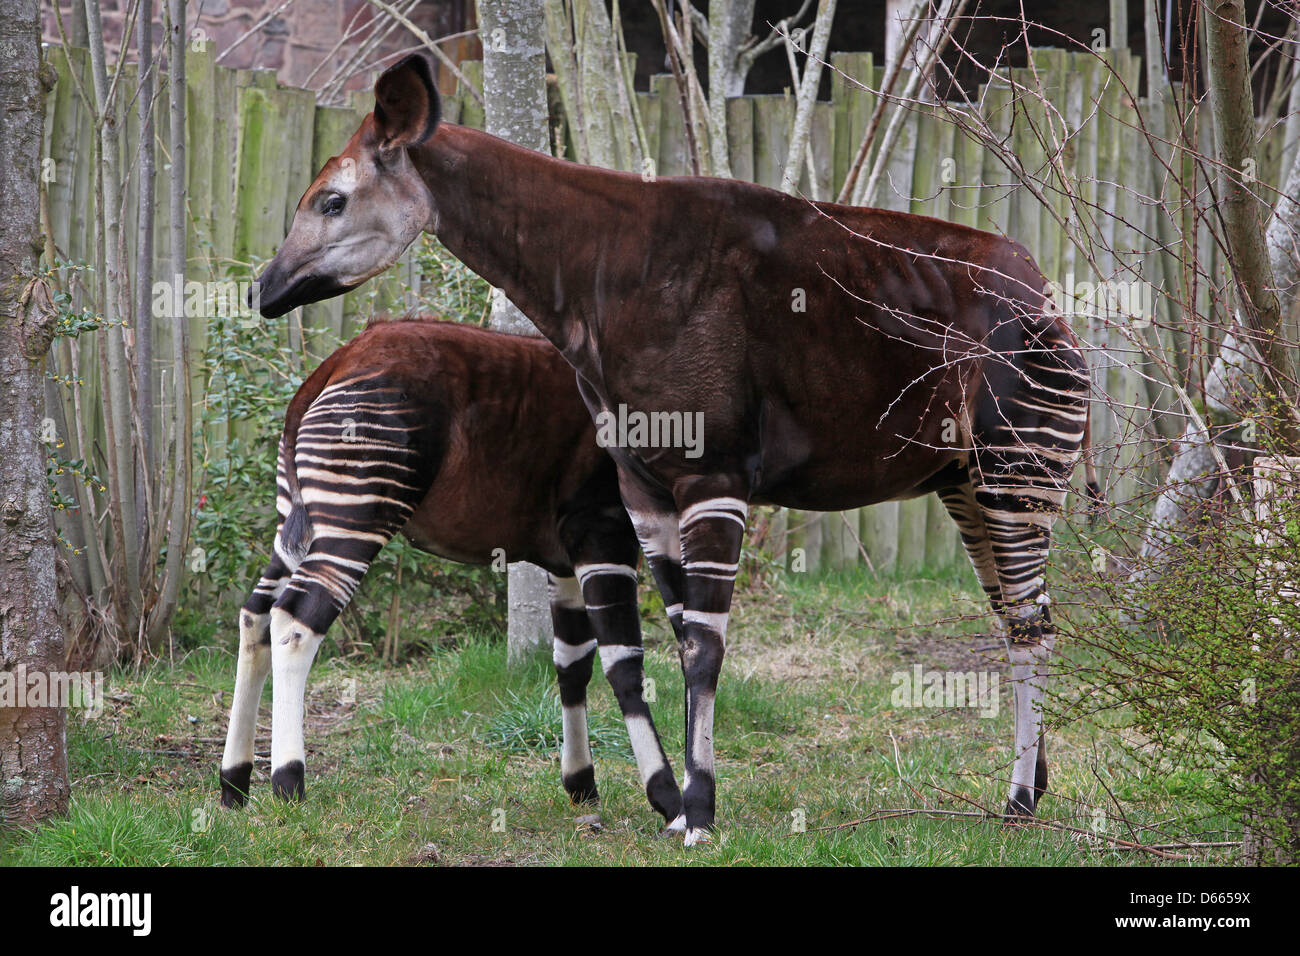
point(581, 786)
point(235, 783)
point(698, 835)
point(665, 796)
point(287, 782)
point(675, 827)
point(1021, 806)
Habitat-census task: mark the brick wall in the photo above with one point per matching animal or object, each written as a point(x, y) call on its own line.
point(307, 42)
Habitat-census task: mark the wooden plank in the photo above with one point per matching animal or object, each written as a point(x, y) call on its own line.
point(673, 158)
point(964, 195)
point(804, 533)
point(841, 75)
point(995, 188)
point(1049, 63)
point(927, 167)
point(773, 115)
point(299, 129)
point(200, 120)
point(471, 111)
point(225, 137)
point(839, 532)
point(128, 126)
point(913, 516)
point(1107, 171)
point(740, 137)
point(942, 540)
point(816, 182)
point(260, 178)
point(81, 155)
point(878, 530)
point(1126, 383)
point(1022, 224)
point(947, 172)
point(1074, 114)
point(652, 119)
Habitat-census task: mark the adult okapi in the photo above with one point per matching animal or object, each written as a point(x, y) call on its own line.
point(840, 357)
point(466, 441)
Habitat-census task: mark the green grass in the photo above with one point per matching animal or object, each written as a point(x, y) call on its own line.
point(452, 758)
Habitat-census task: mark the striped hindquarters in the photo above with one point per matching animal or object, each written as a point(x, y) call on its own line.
point(362, 460)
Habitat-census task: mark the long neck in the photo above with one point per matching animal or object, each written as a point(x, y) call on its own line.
point(536, 227)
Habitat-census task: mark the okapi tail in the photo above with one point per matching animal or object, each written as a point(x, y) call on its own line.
point(296, 532)
point(1096, 497)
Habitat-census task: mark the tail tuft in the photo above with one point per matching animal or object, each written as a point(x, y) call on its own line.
point(295, 533)
point(1096, 502)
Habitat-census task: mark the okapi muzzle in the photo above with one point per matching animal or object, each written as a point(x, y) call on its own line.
point(280, 294)
point(364, 208)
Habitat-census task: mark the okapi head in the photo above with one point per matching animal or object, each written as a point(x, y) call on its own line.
point(366, 205)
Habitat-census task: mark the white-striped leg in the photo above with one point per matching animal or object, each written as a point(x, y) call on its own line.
point(293, 648)
point(712, 531)
point(960, 503)
point(1029, 671)
point(1020, 493)
point(659, 533)
point(252, 670)
point(609, 590)
point(250, 677)
point(573, 653)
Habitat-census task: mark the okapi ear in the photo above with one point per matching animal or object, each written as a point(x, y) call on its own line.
point(407, 107)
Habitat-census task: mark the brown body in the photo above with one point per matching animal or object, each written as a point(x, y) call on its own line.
point(477, 447)
point(689, 287)
point(838, 357)
point(516, 448)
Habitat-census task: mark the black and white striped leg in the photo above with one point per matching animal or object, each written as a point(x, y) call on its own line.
point(253, 668)
point(574, 652)
point(655, 521)
point(712, 514)
point(1019, 501)
point(315, 595)
point(609, 591)
point(1030, 663)
point(965, 512)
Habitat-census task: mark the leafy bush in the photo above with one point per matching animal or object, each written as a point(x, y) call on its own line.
point(1197, 667)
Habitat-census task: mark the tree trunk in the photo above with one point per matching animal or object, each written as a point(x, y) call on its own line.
point(178, 520)
point(563, 50)
point(118, 419)
point(726, 30)
point(1266, 272)
point(807, 98)
point(1119, 24)
point(514, 100)
point(33, 760)
point(144, 333)
point(1235, 377)
point(1243, 212)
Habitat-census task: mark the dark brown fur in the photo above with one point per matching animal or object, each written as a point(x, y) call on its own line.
point(519, 449)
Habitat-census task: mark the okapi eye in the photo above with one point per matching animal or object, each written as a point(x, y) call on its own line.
point(333, 206)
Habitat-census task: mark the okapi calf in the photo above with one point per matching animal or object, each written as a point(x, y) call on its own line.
point(466, 441)
point(839, 356)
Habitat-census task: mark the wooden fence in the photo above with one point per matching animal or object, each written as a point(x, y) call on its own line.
point(254, 146)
